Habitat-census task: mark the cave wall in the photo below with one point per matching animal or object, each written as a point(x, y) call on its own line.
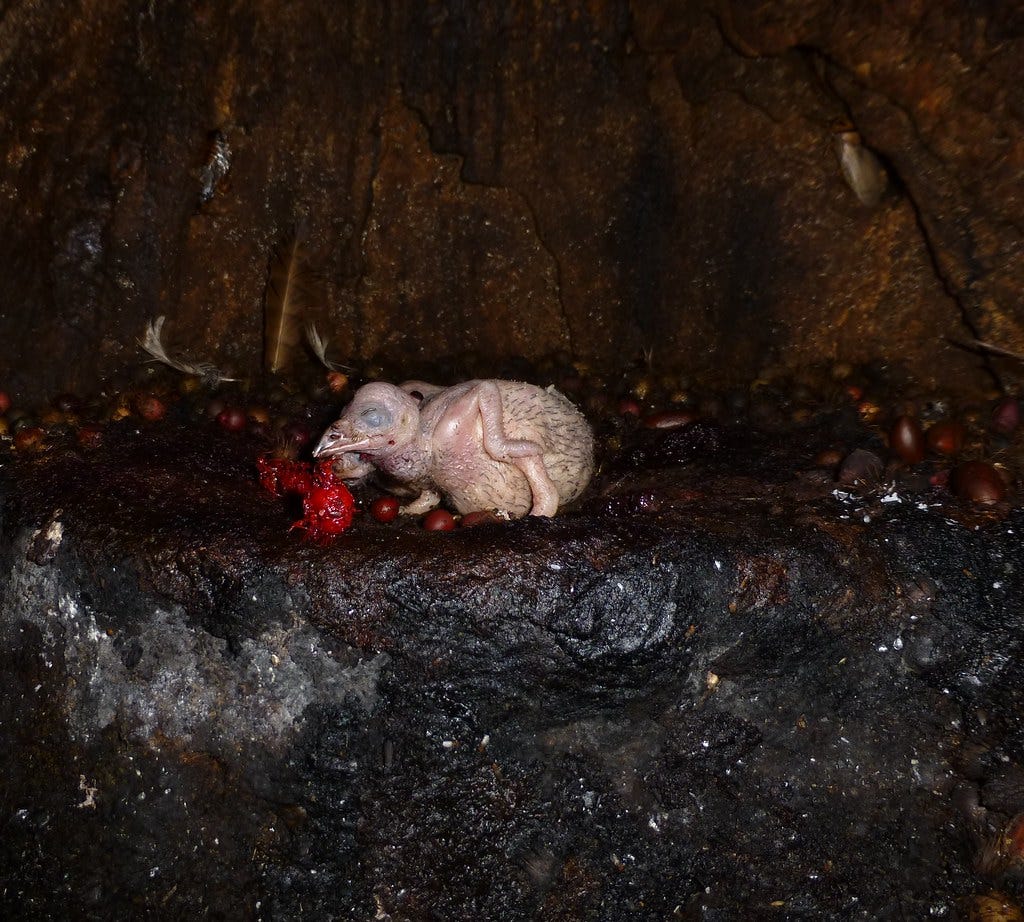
point(606, 179)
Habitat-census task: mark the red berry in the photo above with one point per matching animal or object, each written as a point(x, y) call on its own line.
point(327, 505)
point(906, 440)
point(323, 506)
point(979, 482)
point(946, 437)
point(280, 476)
point(28, 439)
point(232, 419)
point(384, 509)
point(328, 511)
point(150, 407)
point(5, 402)
point(267, 470)
point(296, 478)
point(90, 437)
point(336, 381)
point(439, 520)
point(1005, 416)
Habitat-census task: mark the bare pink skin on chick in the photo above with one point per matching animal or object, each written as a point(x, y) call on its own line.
point(484, 445)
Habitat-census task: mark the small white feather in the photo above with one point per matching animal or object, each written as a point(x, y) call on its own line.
point(319, 346)
point(152, 342)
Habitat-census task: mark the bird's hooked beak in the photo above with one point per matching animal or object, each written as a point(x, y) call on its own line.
point(336, 442)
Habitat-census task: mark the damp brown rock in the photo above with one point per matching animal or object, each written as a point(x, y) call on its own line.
point(630, 178)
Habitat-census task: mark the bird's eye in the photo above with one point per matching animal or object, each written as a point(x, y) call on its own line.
point(376, 417)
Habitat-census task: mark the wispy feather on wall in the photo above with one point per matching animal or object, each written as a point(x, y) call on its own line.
point(318, 344)
point(152, 342)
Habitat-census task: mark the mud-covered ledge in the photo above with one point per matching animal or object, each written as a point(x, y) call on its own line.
point(712, 686)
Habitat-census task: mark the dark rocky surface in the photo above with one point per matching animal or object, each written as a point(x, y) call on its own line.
point(715, 689)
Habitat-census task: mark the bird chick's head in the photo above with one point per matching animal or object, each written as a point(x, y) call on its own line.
point(380, 421)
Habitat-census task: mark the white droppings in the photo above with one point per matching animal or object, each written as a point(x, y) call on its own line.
point(718, 565)
point(90, 794)
point(54, 533)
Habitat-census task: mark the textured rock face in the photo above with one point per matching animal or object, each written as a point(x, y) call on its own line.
point(512, 179)
point(713, 686)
